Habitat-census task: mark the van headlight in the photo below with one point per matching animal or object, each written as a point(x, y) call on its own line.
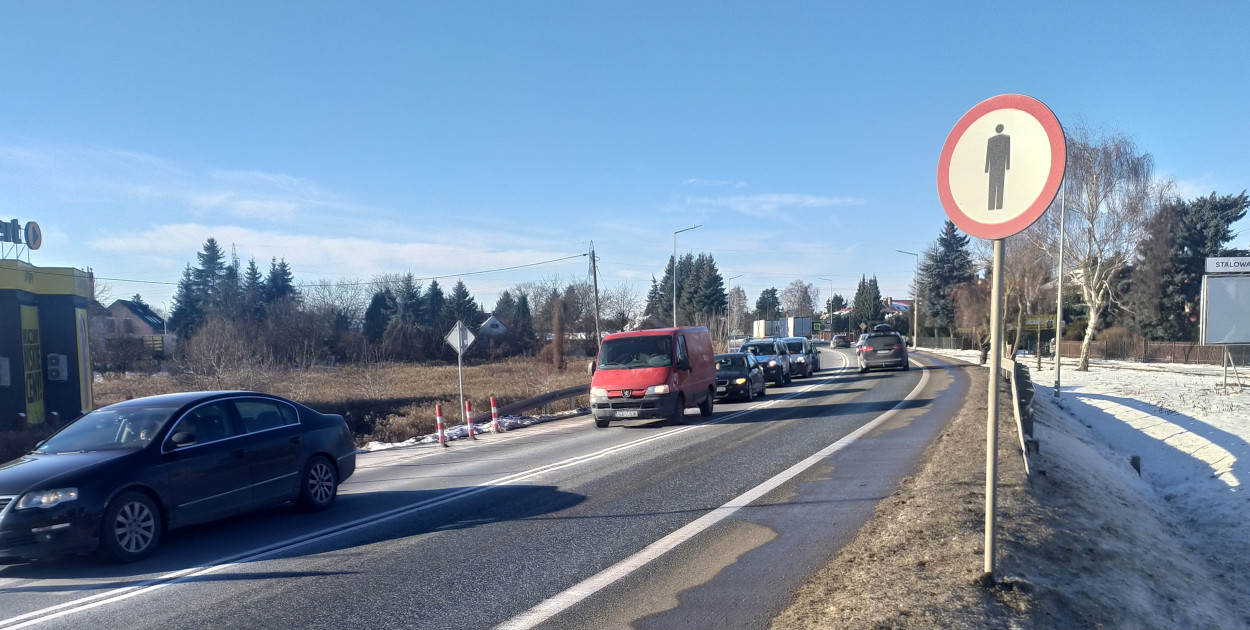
point(599, 392)
point(46, 498)
point(657, 389)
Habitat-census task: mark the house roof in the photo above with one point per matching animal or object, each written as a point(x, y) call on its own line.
point(142, 312)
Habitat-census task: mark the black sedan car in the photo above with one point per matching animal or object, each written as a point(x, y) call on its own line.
point(115, 479)
point(739, 375)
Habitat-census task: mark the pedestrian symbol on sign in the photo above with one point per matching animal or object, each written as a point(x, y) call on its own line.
point(997, 163)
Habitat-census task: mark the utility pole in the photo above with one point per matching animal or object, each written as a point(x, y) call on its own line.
point(594, 281)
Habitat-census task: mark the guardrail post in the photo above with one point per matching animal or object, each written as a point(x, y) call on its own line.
point(438, 419)
point(494, 417)
point(468, 414)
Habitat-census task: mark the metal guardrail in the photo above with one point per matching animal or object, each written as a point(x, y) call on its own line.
point(545, 399)
point(1022, 393)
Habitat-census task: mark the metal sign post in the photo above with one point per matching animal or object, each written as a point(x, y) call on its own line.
point(460, 338)
point(1012, 147)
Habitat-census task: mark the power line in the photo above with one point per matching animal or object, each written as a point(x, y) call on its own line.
point(48, 272)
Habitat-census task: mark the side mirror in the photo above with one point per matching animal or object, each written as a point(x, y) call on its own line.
point(684, 364)
point(590, 368)
point(182, 438)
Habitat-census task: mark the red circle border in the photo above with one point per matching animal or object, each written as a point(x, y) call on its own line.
point(1058, 147)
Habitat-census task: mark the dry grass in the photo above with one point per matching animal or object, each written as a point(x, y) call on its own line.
point(388, 402)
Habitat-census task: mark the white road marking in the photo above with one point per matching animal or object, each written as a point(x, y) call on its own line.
point(579, 592)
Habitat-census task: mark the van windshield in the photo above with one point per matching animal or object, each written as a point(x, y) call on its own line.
point(628, 353)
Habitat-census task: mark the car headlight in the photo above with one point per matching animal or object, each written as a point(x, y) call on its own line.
point(802, 359)
point(772, 363)
point(599, 392)
point(657, 389)
point(740, 381)
point(46, 498)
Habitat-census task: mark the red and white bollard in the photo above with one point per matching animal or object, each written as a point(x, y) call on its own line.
point(468, 415)
point(442, 433)
point(494, 417)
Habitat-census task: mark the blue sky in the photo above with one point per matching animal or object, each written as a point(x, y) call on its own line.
point(443, 138)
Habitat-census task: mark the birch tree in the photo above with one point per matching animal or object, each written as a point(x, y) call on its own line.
point(1110, 194)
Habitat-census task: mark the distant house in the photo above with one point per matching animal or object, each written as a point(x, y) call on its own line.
point(128, 318)
point(492, 327)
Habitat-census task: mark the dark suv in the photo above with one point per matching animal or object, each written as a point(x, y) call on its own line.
point(881, 349)
point(773, 355)
point(804, 358)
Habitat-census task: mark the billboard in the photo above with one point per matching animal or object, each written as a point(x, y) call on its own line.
point(1225, 310)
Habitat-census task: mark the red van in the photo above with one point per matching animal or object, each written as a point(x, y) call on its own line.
point(648, 374)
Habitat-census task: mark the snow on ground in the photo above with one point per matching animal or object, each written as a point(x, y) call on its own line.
point(480, 426)
point(1191, 433)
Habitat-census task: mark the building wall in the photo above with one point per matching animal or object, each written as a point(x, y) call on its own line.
point(43, 311)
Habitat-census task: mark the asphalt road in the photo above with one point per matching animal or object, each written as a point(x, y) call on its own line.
point(713, 523)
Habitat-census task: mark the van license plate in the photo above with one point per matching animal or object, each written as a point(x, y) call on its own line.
point(627, 413)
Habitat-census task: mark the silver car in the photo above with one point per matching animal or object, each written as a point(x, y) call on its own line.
point(773, 355)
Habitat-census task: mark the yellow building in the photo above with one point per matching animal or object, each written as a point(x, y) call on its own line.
point(45, 357)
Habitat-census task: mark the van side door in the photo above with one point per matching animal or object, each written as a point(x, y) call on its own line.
point(681, 366)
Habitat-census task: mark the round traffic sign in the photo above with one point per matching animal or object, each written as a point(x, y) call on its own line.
point(1001, 166)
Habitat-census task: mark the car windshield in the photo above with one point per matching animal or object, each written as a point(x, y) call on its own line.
point(110, 428)
point(796, 347)
point(731, 362)
point(629, 353)
point(760, 349)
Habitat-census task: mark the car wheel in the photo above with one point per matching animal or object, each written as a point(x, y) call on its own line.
point(131, 528)
point(789, 377)
point(906, 365)
point(780, 380)
point(705, 407)
point(763, 388)
point(602, 424)
point(679, 411)
point(319, 484)
point(750, 396)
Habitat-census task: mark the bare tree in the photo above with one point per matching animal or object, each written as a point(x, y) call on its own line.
point(799, 299)
point(737, 309)
point(1110, 193)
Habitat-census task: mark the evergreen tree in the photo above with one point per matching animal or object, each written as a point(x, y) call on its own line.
point(945, 266)
point(655, 299)
point(253, 291)
point(504, 308)
point(187, 312)
point(523, 325)
point(280, 283)
point(866, 309)
point(461, 307)
point(210, 271)
point(768, 305)
point(710, 298)
point(1171, 260)
point(381, 308)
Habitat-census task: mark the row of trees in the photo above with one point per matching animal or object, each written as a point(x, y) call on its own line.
point(1133, 253)
point(232, 313)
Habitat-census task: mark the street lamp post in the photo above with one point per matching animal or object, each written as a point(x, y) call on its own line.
point(915, 304)
point(673, 275)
